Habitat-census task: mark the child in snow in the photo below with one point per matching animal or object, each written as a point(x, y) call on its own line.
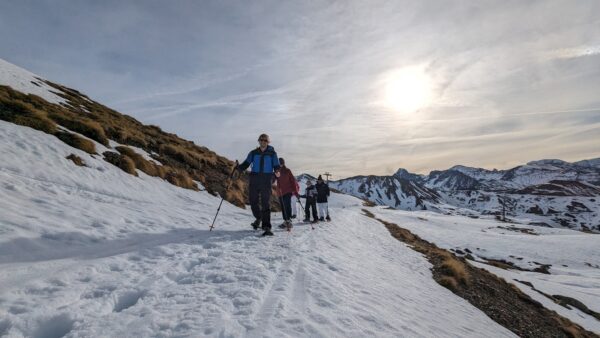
point(311, 202)
point(322, 194)
point(286, 187)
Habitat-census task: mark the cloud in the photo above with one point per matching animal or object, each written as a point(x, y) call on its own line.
point(569, 53)
point(513, 81)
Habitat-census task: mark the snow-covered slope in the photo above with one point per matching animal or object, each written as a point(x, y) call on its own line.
point(572, 257)
point(28, 83)
point(95, 252)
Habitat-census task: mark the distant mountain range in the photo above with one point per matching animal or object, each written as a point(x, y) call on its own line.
point(546, 192)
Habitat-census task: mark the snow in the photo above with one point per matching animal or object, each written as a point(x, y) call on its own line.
point(26, 82)
point(592, 163)
point(574, 255)
point(95, 252)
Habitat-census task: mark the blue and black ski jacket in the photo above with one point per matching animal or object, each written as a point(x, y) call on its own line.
point(262, 162)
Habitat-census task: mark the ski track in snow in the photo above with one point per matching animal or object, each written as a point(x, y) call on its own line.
point(95, 252)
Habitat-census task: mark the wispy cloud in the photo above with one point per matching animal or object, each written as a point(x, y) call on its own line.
point(511, 81)
point(569, 53)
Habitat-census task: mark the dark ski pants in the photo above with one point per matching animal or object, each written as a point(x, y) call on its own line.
point(286, 206)
point(311, 205)
point(260, 198)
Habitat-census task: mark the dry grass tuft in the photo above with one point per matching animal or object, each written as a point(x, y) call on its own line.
point(89, 128)
point(76, 141)
point(127, 165)
point(23, 113)
point(141, 163)
point(448, 282)
point(455, 268)
point(181, 179)
point(76, 159)
point(183, 155)
point(122, 161)
point(368, 203)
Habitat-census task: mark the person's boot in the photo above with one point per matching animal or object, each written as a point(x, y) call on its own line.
point(256, 224)
point(306, 220)
point(267, 233)
point(315, 221)
point(321, 219)
point(328, 218)
point(293, 216)
point(282, 225)
point(289, 225)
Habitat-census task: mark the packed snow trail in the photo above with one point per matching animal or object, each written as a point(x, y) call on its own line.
point(95, 252)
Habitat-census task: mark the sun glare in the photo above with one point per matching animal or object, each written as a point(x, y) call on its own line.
point(407, 89)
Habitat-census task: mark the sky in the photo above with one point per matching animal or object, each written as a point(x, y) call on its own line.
point(348, 87)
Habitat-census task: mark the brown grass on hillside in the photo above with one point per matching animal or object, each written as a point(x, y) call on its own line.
point(122, 161)
point(453, 267)
point(87, 127)
point(182, 161)
point(23, 113)
point(76, 159)
point(181, 178)
point(76, 141)
point(448, 282)
point(143, 164)
point(187, 156)
point(501, 301)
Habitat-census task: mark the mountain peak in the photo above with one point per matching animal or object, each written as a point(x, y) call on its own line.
point(405, 174)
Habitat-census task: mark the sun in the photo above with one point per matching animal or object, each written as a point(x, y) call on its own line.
point(406, 90)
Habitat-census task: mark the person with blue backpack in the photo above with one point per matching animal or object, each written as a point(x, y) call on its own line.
point(264, 162)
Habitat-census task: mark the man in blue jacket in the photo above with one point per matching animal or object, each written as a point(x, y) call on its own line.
point(265, 163)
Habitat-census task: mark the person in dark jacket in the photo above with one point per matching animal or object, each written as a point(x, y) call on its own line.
point(264, 162)
point(322, 194)
point(311, 202)
point(286, 187)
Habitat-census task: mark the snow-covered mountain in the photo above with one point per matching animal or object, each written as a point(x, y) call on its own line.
point(104, 233)
point(545, 192)
point(393, 191)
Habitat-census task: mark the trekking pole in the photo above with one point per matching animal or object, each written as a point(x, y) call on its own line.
point(225, 192)
point(301, 206)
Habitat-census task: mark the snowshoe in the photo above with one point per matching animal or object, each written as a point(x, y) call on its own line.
point(289, 225)
point(282, 225)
